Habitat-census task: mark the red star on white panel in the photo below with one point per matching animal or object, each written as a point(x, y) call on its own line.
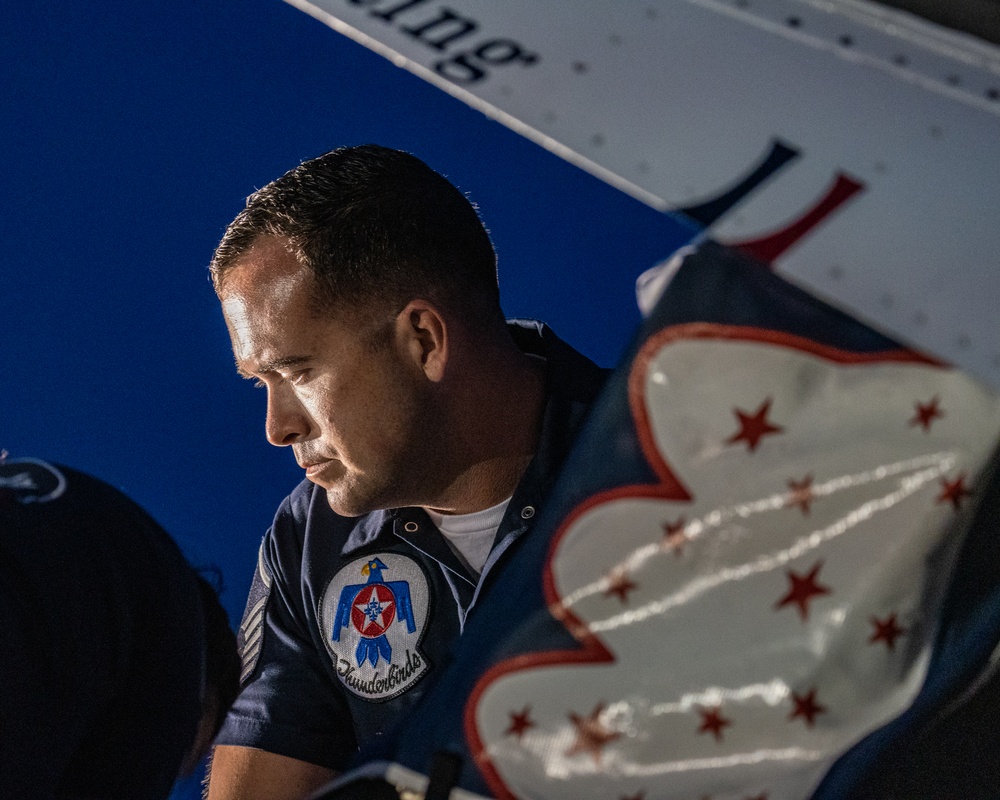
point(620, 585)
point(800, 493)
point(520, 722)
point(713, 722)
point(803, 589)
point(754, 427)
point(886, 631)
point(674, 536)
point(592, 735)
point(954, 492)
point(806, 707)
point(926, 414)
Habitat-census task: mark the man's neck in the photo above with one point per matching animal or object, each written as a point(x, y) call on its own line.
point(498, 424)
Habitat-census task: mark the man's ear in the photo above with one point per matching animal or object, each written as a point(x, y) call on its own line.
point(422, 333)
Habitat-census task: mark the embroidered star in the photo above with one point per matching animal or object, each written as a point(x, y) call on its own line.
point(806, 707)
point(802, 590)
point(620, 584)
point(886, 630)
point(674, 536)
point(373, 609)
point(954, 491)
point(753, 427)
point(713, 722)
point(800, 494)
point(591, 736)
point(520, 721)
point(926, 414)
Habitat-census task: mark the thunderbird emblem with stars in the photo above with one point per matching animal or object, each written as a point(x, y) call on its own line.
point(373, 614)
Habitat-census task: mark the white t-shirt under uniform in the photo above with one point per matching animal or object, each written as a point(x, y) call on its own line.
point(471, 535)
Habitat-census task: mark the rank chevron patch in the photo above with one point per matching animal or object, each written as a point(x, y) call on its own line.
point(250, 637)
point(768, 603)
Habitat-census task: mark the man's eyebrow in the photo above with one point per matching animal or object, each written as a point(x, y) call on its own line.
point(273, 365)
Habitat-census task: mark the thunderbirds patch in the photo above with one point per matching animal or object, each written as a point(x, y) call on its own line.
point(373, 615)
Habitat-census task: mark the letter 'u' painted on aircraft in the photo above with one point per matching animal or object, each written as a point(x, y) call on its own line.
point(780, 154)
point(769, 247)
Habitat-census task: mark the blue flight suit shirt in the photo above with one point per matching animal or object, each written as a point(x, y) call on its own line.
point(350, 620)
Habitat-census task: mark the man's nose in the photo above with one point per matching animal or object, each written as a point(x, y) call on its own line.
point(287, 421)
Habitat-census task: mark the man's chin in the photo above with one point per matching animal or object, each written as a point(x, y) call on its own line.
point(345, 505)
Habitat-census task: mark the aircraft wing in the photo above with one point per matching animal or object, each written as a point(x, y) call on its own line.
point(855, 147)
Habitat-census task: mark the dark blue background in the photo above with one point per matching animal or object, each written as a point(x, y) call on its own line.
point(131, 134)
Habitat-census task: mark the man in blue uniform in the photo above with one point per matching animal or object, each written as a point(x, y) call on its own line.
point(118, 663)
point(360, 289)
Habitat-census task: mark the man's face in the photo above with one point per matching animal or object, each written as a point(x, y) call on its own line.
point(355, 415)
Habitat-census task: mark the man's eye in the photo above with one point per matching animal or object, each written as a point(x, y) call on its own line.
point(297, 378)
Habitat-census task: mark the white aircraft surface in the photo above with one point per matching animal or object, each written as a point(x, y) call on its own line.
point(883, 132)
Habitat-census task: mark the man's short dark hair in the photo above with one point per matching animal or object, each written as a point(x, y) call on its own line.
point(373, 224)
